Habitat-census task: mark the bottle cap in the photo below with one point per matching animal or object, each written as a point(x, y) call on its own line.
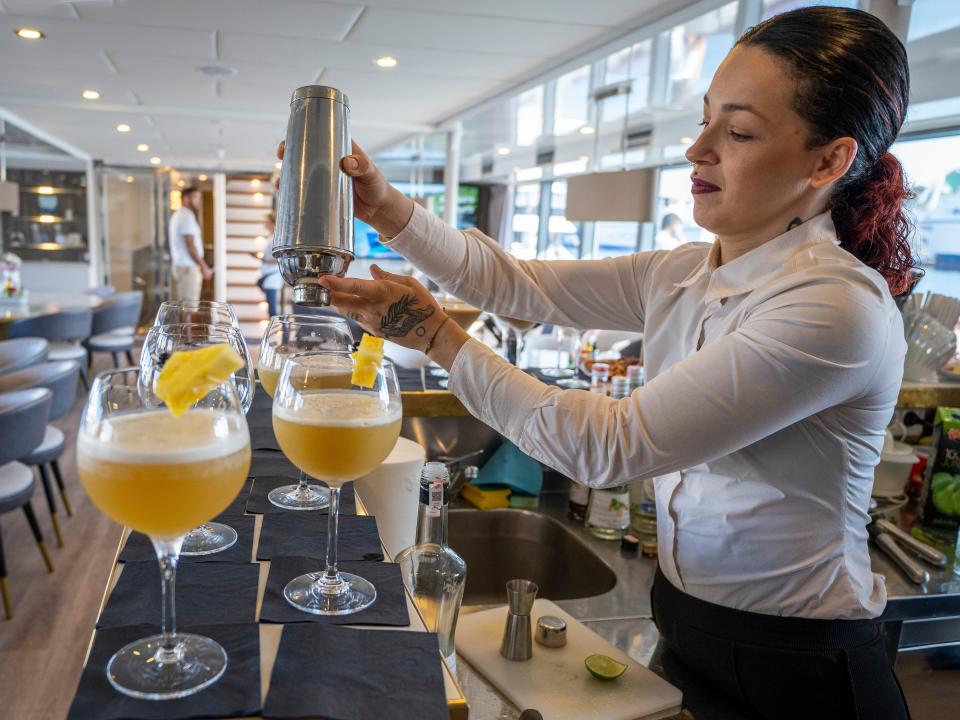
point(630, 543)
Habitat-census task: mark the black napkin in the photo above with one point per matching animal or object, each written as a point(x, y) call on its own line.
point(304, 534)
point(138, 546)
point(270, 462)
point(342, 673)
point(261, 400)
point(235, 694)
point(263, 438)
point(259, 504)
point(390, 607)
point(207, 594)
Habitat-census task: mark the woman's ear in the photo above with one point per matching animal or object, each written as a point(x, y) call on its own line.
point(835, 159)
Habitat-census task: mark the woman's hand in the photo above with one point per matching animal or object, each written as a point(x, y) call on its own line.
point(375, 201)
point(398, 308)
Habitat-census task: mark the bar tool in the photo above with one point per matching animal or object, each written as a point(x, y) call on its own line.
point(314, 233)
point(517, 641)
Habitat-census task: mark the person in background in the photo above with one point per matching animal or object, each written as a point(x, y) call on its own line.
point(189, 269)
point(270, 280)
point(671, 232)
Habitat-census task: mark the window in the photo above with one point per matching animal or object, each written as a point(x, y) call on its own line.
point(572, 101)
point(563, 236)
point(529, 116)
point(526, 220)
point(696, 50)
point(675, 224)
point(631, 63)
point(612, 239)
point(775, 7)
point(933, 170)
point(930, 17)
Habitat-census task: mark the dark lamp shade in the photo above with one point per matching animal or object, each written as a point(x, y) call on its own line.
point(620, 196)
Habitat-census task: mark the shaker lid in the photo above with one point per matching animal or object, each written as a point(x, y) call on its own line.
point(320, 91)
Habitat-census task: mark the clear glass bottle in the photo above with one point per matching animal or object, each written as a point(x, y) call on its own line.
point(579, 498)
point(599, 377)
point(432, 572)
point(619, 387)
point(634, 376)
point(608, 513)
point(643, 508)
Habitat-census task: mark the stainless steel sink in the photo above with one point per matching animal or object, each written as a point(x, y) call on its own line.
point(499, 545)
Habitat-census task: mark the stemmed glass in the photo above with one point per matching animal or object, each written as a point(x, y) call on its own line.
point(207, 312)
point(160, 343)
point(559, 371)
point(335, 432)
point(162, 475)
point(287, 334)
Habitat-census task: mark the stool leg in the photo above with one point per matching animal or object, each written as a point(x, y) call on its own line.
point(4, 588)
point(130, 357)
point(51, 503)
point(35, 527)
point(116, 359)
point(84, 378)
point(55, 466)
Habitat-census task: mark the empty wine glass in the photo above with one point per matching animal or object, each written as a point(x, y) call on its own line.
point(206, 312)
point(161, 475)
point(285, 335)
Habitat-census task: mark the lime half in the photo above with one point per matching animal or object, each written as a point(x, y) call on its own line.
point(603, 667)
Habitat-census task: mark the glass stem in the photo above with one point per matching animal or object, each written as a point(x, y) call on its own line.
point(168, 553)
point(302, 485)
point(331, 578)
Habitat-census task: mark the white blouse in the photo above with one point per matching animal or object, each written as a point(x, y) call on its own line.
point(770, 380)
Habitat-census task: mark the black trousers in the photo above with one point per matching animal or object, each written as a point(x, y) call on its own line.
point(781, 667)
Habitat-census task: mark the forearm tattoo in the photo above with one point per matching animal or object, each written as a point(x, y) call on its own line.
point(796, 222)
point(403, 316)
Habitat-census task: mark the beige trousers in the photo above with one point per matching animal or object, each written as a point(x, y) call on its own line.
point(186, 282)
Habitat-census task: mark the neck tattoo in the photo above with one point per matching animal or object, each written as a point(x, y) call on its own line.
point(796, 222)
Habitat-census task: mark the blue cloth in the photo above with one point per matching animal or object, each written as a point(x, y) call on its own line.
point(512, 467)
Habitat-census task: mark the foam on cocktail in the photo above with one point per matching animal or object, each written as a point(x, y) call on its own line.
point(342, 408)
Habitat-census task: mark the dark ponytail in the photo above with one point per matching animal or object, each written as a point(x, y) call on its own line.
point(852, 80)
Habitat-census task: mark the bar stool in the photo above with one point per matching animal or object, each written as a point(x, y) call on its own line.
point(23, 416)
point(22, 352)
point(61, 379)
point(115, 326)
point(65, 330)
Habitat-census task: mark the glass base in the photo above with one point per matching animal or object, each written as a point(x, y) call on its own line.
point(209, 538)
point(573, 384)
point(141, 669)
point(292, 497)
point(310, 593)
point(557, 372)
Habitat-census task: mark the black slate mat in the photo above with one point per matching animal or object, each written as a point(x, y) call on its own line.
point(139, 548)
point(340, 673)
point(390, 607)
point(263, 438)
point(207, 594)
point(235, 694)
point(304, 534)
point(259, 504)
point(270, 462)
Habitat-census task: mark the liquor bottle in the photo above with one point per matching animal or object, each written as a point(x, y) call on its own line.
point(579, 497)
point(432, 572)
point(608, 513)
point(643, 508)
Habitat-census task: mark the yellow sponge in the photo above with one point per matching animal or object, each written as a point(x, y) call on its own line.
point(485, 498)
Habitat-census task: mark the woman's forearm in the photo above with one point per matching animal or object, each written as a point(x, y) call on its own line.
point(392, 217)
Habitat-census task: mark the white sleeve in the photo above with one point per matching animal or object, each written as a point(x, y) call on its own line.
point(805, 351)
point(606, 294)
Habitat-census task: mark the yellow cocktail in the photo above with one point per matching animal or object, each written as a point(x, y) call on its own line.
point(268, 379)
point(337, 435)
point(162, 475)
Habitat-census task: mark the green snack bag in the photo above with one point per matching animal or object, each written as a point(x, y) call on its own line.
point(940, 503)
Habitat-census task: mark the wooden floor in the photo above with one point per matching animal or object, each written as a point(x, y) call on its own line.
point(42, 648)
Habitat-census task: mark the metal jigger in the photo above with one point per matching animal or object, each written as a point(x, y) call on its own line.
point(314, 235)
point(517, 641)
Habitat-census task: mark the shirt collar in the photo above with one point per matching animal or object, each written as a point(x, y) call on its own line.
point(753, 269)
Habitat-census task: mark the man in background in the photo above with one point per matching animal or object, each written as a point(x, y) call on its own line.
point(189, 269)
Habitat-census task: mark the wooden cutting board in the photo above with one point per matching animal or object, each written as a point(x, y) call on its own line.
point(555, 681)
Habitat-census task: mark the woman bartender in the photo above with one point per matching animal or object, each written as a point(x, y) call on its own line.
point(773, 359)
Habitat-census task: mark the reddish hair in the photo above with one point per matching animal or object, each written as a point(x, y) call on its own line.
point(852, 80)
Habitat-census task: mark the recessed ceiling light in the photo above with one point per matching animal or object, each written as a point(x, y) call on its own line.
point(123, 127)
point(154, 160)
point(143, 147)
point(29, 33)
point(45, 190)
point(258, 197)
point(387, 61)
point(255, 182)
point(128, 178)
point(181, 183)
point(217, 70)
point(47, 218)
point(503, 151)
point(686, 140)
point(202, 178)
point(90, 95)
point(587, 130)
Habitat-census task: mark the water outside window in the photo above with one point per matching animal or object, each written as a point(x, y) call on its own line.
point(526, 220)
point(933, 170)
point(529, 116)
point(775, 7)
point(563, 236)
point(572, 101)
point(696, 50)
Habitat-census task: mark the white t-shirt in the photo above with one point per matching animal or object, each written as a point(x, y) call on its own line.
point(182, 223)
point(269, 270)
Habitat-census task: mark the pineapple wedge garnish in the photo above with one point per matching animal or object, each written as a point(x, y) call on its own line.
point(189, 375)
point(368, 358)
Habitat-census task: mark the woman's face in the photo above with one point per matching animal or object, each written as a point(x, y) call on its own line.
point(752, 166)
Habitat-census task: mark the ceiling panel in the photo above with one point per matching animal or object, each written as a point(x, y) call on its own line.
point(611, 13)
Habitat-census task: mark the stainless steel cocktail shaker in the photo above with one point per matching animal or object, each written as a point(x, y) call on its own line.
point(314, 234)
